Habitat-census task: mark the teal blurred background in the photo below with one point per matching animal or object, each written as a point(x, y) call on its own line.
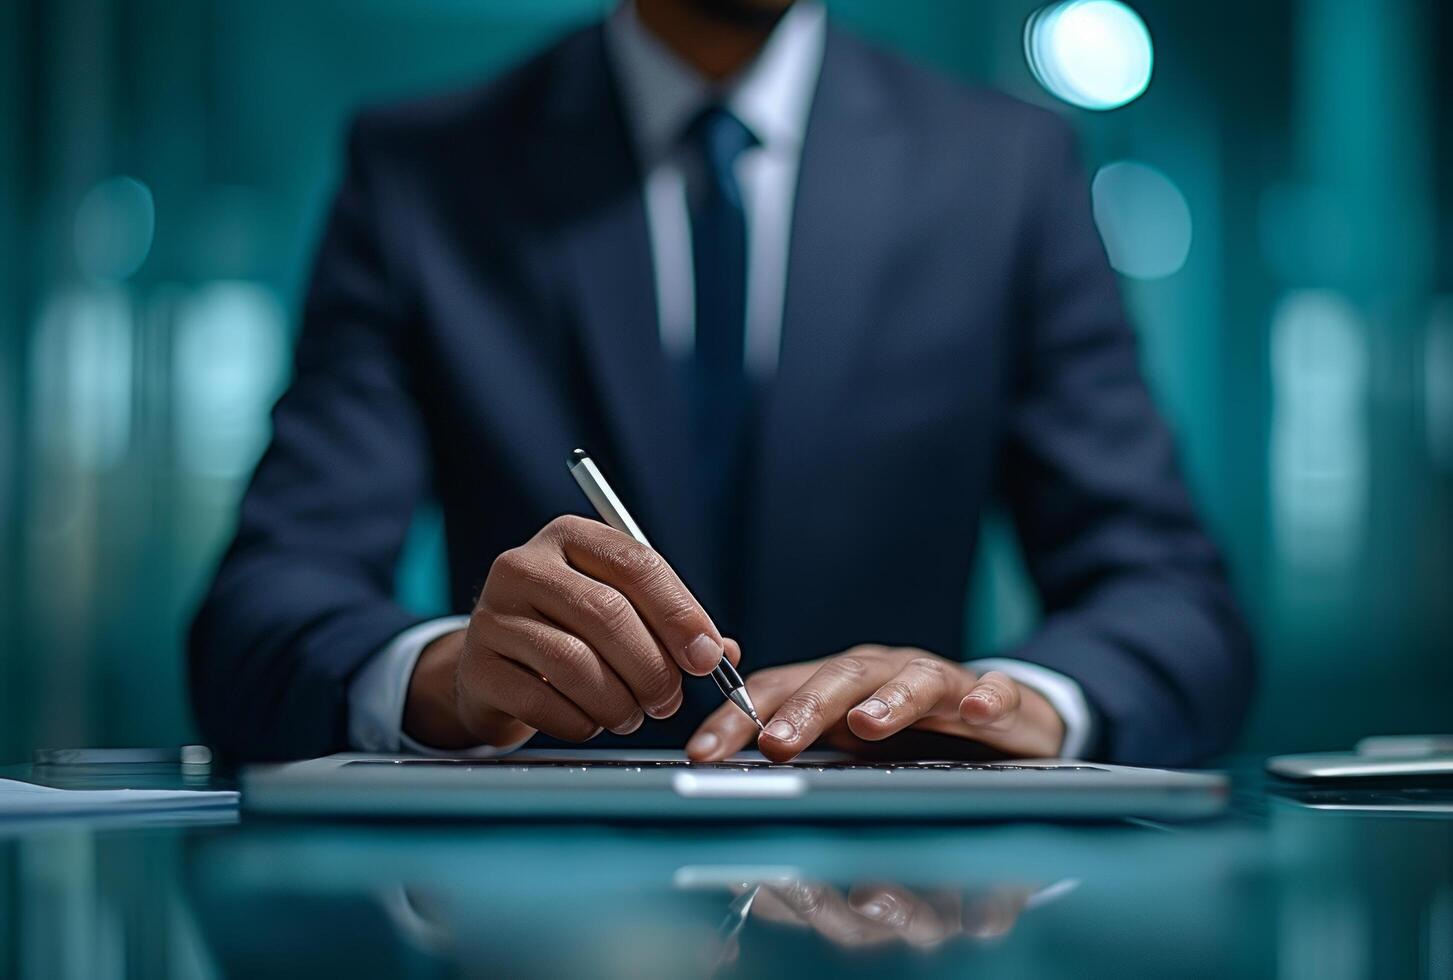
point(1279, 199)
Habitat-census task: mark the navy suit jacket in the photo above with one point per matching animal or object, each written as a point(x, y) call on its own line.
point(483, 303)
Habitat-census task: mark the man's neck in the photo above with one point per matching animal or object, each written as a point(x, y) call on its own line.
point(715, 45)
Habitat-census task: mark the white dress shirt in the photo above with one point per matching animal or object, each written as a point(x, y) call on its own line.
point(661, 94)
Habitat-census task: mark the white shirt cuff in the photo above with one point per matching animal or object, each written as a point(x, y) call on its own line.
point(1063, 694)
point(376, 696)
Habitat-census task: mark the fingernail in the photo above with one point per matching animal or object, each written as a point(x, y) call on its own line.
point(703, 653)
point(704, 743)
point(781, 730)
point(636, 721)
point(873, 909)
point(980, 703)
point(874, 708)
point(667, 708)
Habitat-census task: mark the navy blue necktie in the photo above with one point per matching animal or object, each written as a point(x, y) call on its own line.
point(719, 389)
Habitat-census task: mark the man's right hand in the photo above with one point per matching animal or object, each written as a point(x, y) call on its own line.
point(579, 630)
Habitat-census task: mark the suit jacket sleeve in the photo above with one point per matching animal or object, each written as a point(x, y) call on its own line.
point(304, 595)
point(1137, 606)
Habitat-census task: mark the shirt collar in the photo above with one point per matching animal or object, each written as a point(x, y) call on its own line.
point(771, 95)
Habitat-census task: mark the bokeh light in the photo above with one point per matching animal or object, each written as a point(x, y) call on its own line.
point(1095, 54)
point(1143, 219)
point(82, 368)
point(1319, 443)
point(231, 363)
point(114, 225)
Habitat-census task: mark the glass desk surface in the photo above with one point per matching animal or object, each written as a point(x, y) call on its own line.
point(1319, 884)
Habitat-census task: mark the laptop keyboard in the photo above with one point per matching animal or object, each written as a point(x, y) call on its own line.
point(743, 765)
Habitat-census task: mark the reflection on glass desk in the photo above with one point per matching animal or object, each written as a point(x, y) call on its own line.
point(1283, 887)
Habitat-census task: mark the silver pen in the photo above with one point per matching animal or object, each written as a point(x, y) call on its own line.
point(614, 513)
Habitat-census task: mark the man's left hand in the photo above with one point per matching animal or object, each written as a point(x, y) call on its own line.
point(871, 693)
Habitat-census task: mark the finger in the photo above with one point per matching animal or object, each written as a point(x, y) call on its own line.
point(912, 918)
point(731, 650)
point(519, 693)
point(992, 704)
point(728, 730)
point(651, 585)
point(826, 910)
point(821, 702)
point(570, 666)
point(922, 688)
point(607, 621)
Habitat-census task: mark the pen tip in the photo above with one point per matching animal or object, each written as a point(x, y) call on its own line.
point(577, 456)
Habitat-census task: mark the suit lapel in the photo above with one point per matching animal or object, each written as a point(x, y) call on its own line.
point(592, 174)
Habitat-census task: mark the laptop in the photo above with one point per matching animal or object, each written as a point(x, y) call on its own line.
point(662, 785)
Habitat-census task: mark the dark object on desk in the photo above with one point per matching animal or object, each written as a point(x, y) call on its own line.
point(186, 755)
point(1371, 797)
point(1405, 745)
point(1413, 760)
point(188, 766)
point(1338, 766)
point(664, 786)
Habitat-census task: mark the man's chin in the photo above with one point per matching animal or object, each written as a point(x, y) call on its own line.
point(743, 13)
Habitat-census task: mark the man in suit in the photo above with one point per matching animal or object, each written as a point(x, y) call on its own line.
point(812, 309)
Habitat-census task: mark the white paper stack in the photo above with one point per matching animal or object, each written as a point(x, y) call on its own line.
point(19, 799)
